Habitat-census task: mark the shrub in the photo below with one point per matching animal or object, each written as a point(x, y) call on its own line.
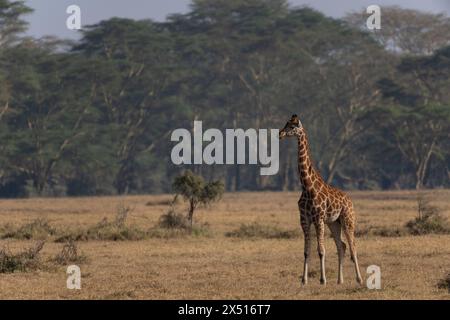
point(26, 260)
point(69, 254)
point(39, 229)
point(445, 283)
point(434, 224)
point(175, 225)
point(105, 230)
point(256, 230)
point(173, 220)
point(429, 219)
point(122, 213)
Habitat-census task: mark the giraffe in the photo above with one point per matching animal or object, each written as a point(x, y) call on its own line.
point(321, 204)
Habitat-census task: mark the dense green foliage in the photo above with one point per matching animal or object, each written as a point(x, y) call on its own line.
point(196, 191)
point(95, 117)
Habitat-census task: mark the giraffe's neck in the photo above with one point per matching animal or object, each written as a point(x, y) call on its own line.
point(309, 177)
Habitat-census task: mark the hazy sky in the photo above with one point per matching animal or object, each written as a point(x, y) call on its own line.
point(50, 16)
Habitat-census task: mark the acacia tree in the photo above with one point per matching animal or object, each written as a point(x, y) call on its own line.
point(11, 26)
point(136, 63)
point(254, 60)
point(419, 114)
point(231, 41)
point(11, 22)
point(196, 191)
point(414, 39)
point(350, 69)
point(407, 31)
point(45, 121)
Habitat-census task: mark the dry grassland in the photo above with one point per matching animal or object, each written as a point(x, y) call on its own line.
point(215, 266)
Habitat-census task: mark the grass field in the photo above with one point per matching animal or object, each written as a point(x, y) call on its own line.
point(214, 266)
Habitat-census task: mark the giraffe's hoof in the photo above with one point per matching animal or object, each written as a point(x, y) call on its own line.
point(359, 280)
point(340, 281)
point(323, 281)
point(304, 281)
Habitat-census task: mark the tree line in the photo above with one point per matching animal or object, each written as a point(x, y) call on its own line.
point(94, 116)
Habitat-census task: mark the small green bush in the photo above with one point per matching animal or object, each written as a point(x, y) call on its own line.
point(175, 225)
point(196, 191)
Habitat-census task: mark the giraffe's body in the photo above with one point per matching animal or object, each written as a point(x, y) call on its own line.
point(321, 204)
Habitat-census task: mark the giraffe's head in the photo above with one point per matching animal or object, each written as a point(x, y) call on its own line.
point(292, 128)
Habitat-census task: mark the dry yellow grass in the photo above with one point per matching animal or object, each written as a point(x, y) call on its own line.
point(218, 267)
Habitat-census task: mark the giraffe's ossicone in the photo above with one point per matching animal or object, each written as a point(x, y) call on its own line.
point(321, 204)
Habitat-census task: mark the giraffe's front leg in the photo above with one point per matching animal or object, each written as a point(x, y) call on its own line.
point(306, 226)
point(320, 231)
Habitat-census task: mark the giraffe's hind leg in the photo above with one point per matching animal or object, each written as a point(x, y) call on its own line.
point(348, 224)
point(335, 228)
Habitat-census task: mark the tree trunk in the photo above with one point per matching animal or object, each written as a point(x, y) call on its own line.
point(332, 167)
point(335, 160)
point(39, 185)
point(423, 167)
point(191, 212)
